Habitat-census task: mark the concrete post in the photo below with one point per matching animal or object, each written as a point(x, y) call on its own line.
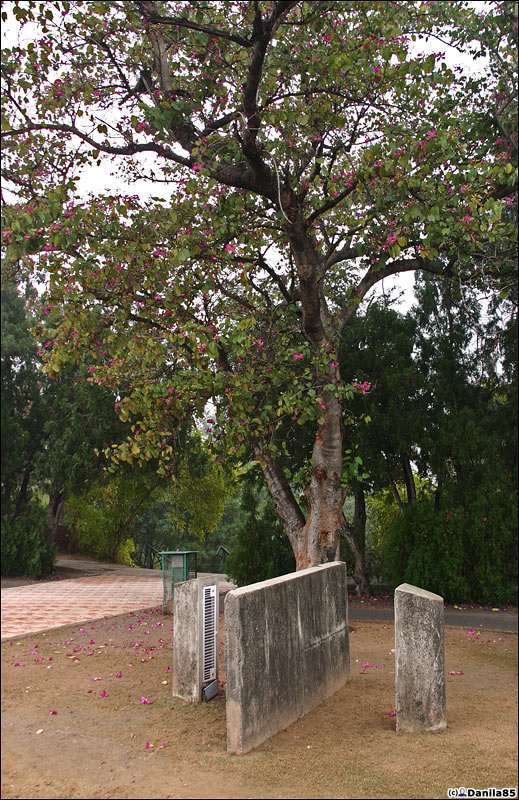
point(188, 653)
point(419, 660)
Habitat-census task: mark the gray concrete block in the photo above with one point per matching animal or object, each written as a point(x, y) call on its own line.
point(419, 660)
point(287, 650)
point(188, 679)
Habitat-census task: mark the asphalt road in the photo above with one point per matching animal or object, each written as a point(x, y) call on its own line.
point(473, 619)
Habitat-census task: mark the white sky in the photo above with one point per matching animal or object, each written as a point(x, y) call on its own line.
point(102, 178)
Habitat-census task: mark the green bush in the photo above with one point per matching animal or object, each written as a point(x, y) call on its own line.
point(124, 553)
point(461, 554)
point(25, 546)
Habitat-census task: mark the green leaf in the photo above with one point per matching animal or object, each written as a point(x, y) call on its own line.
point(429, 63)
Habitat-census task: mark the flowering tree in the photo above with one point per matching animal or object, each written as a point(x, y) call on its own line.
point(307, 151)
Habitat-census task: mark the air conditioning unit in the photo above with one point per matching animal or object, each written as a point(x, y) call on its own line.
point(209, 633)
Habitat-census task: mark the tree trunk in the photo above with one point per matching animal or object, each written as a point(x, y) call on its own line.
point(438, 497)
point(409, 479)
point(56, 503)
point(396, 495)
point(22, 494)
point(319, 539)
point(316, 539)
point(359, 533)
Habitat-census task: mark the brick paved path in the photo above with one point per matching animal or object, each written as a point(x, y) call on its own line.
point(40, 607)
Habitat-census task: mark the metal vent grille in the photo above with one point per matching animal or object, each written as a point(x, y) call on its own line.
point(210, 632)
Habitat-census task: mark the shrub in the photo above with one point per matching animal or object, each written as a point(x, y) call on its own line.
point(460, 553)
point(25, 546)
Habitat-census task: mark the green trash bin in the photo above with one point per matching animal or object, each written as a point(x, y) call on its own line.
point(177, 566)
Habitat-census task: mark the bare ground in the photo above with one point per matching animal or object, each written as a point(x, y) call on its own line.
point(104, 741)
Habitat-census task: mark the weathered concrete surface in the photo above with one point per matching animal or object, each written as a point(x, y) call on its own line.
point(287, 650)
point(419, 660)
point(187, 638)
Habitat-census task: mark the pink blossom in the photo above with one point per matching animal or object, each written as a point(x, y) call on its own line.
point(391, 239)
point(362, 387)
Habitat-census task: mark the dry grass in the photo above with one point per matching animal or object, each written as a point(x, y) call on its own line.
point(96, 747)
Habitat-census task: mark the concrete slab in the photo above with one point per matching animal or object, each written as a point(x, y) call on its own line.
point(287, 650)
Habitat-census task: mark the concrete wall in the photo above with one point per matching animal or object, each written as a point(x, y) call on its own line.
point(287, 650)
point(187, 638)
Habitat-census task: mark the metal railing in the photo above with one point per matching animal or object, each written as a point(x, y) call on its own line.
point(147, 557)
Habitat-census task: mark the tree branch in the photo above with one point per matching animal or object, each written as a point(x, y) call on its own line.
point(263, 32)
point(158, 45)
point(182, 22)
point(277, 278)
point(330, 204)
point(129, 150)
